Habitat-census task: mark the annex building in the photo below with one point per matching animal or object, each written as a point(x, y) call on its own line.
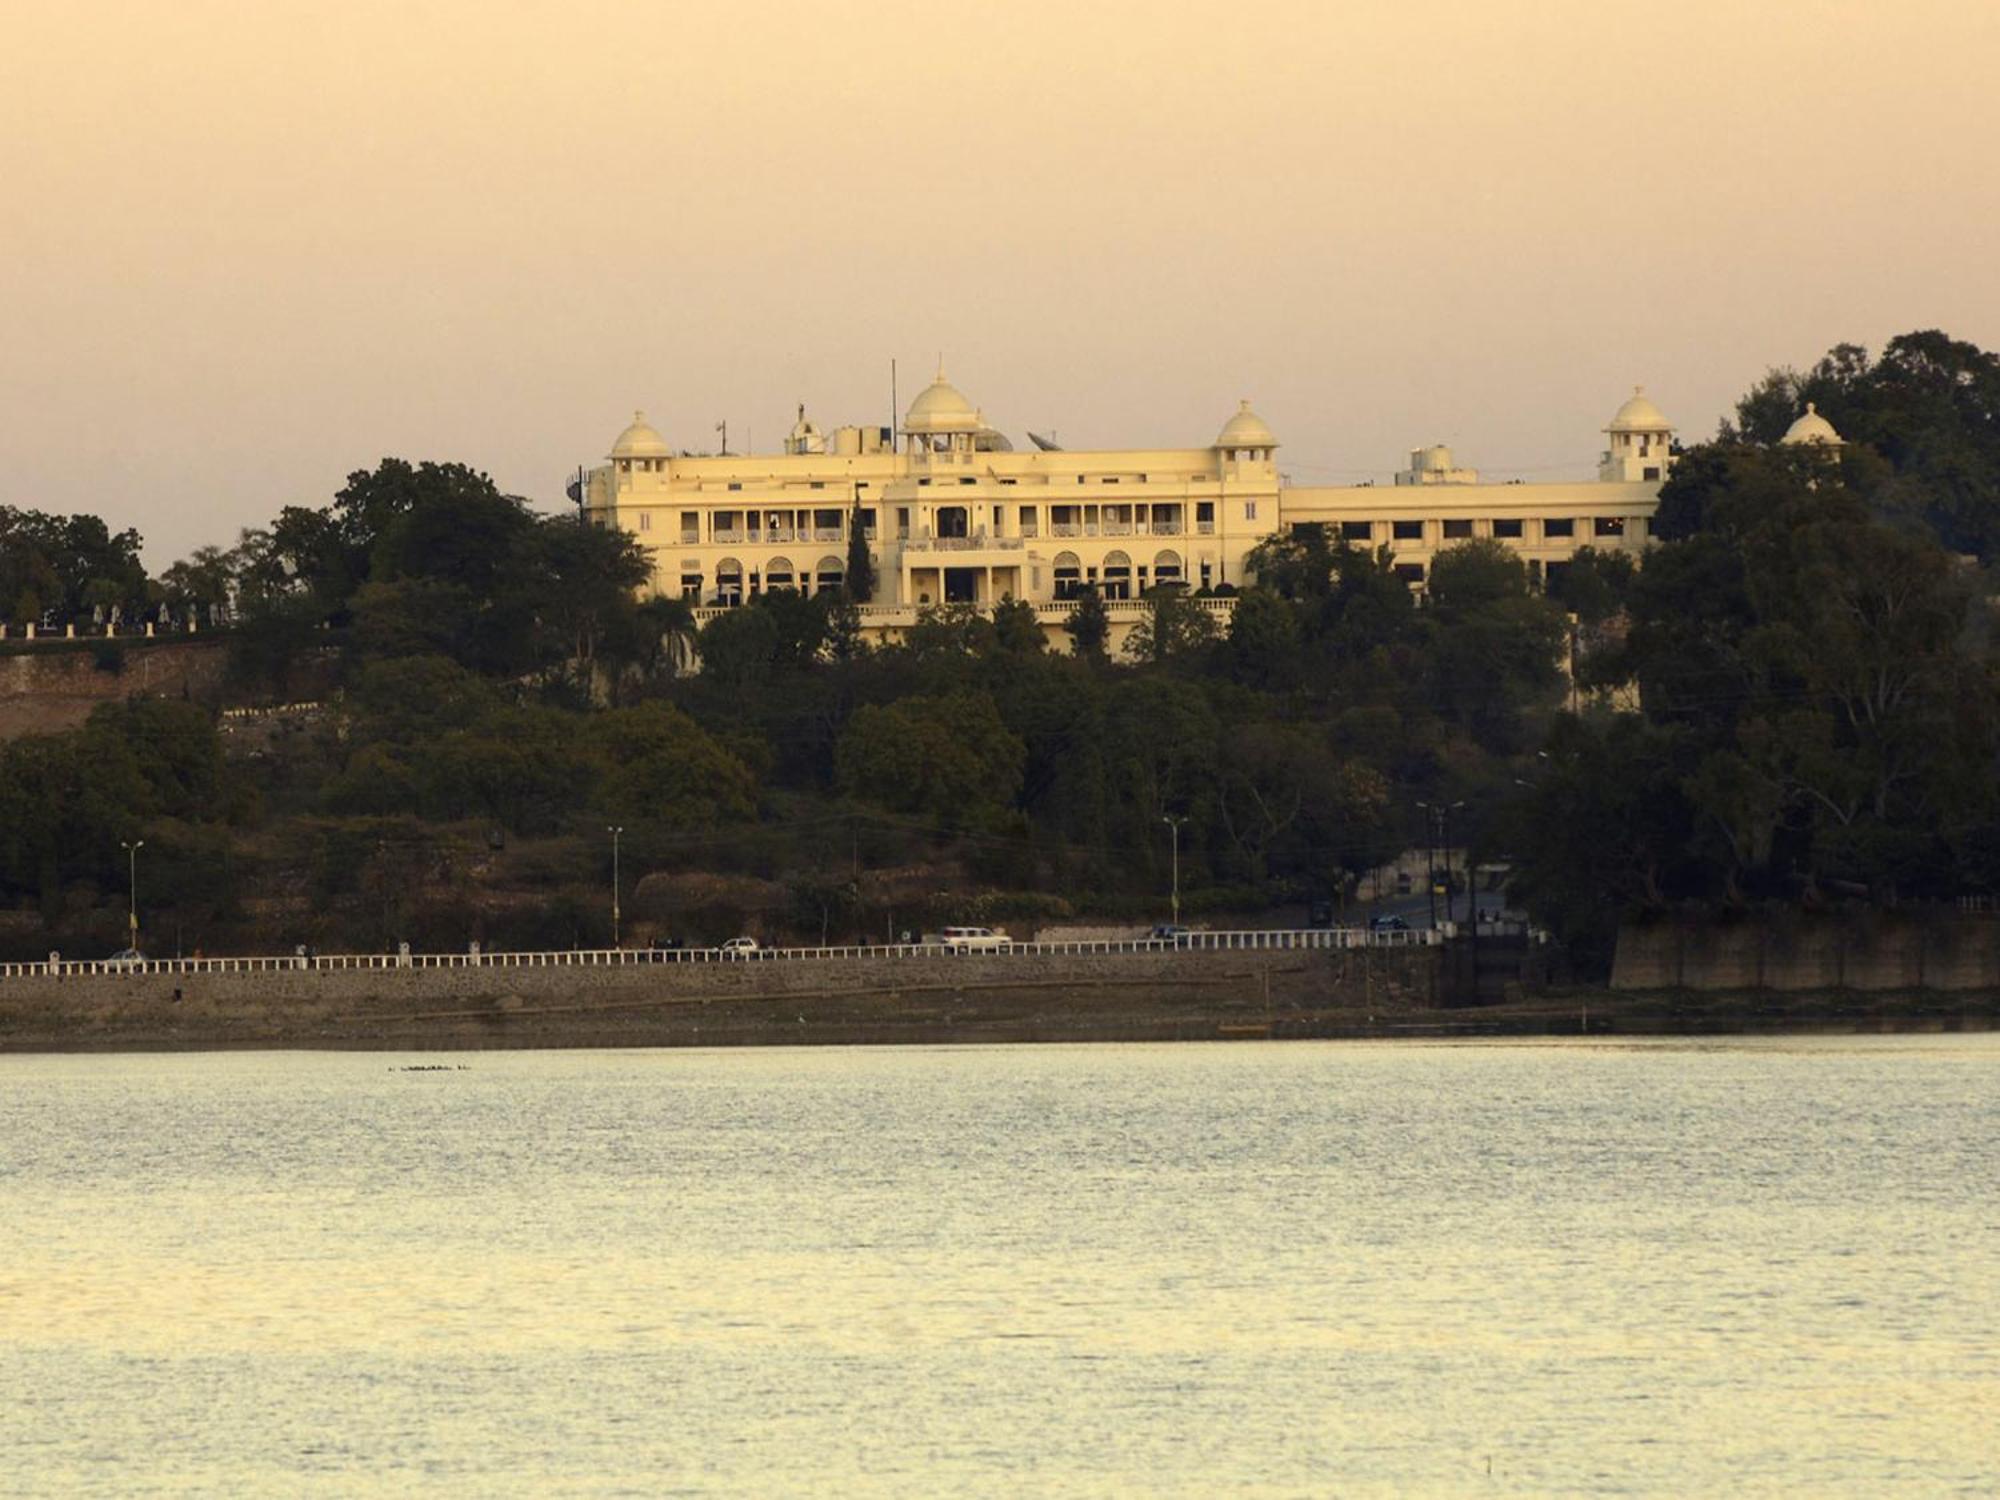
point(953, 512)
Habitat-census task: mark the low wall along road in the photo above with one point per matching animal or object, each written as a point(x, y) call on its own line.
point(1205, 985)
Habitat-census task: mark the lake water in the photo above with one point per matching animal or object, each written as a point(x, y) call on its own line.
point(1761, 1267)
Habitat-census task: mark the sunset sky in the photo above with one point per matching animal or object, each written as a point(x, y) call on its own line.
point(250, 247)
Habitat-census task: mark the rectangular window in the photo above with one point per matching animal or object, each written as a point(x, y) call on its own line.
point(734, 485)
point(1110, 479)
point(1407, 531)
point(1249, 510)
point(1562, 528)
point(1609, 526)
point(1357, 531)
point(645, 520)
point(1457, 531)
point(1507, 530)
point(1410, 572)
point(903, 521)
point(1652, 471)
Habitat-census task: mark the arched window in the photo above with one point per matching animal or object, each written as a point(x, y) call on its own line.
point(729, 581)
point(1069, 575)
point(778, 574)
point(1117, 576)
point(1167, 567)
point(830, 574)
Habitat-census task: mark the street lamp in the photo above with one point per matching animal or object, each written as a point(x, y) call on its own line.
point(1175, 824)
point(132, 889)
point(614, 832)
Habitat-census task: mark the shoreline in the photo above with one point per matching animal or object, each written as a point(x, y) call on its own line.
point(1084, 1014)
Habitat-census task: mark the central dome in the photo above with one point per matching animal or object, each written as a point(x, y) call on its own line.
point(940, 408)
point(1245, 430)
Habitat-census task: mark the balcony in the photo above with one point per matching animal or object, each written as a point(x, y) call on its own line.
point(728, 538)
point(978, 542)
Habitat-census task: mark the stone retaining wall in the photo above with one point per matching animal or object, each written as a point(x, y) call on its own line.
point(56, 686)
point(974, 996)
point(1872, 952)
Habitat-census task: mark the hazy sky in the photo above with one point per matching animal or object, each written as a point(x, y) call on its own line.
point(250, 247)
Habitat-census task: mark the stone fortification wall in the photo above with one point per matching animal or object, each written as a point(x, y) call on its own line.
point(929, 998)
point(1878, 952)
point(52, 686)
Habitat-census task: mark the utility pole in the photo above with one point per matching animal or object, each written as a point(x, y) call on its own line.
point(1430, 860)
point(132, 888)
point(1175, 824)
point(614, 831)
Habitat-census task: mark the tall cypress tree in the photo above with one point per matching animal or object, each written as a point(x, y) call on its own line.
point(860, 571)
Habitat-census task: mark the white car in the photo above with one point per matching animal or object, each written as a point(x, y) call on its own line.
point(739, 947)
point(974, 939)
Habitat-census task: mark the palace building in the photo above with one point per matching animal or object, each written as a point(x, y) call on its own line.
point(954, 513)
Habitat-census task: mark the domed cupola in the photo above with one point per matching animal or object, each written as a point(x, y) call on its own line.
point(1811, 428)
point(640, 441)
point(939, 409)
point(1642, 441)
point(1245, 430)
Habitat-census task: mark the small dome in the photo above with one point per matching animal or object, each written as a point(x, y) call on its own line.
point(1245, 430)
point(640, 441)
point(1639, 415)
point(1811, 428)
point(940, 408)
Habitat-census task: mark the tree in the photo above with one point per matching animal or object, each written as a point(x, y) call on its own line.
point(860, 578)
point(1174, 627)
point(1495, 647)
point(1017, 628)
point(1089, 627)
point(1262, 649)
point(948, 757)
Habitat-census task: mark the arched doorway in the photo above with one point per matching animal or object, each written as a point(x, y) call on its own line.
point(729, 581)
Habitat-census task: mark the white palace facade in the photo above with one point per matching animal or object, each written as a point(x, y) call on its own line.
point(953, 512)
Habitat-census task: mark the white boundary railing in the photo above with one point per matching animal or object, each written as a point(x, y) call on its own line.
point(1319, 938)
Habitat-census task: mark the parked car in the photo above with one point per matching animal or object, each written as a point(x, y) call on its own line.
point(740, 947)
point(970, 939)
point(126, 957)
point(1170, 932)
point(1390, 923)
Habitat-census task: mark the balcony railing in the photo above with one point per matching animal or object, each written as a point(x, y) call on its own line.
point(980, 542)
point(1205, 528)
point(729, 538)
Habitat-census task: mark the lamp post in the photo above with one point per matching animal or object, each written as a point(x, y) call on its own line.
point(132, 889)
point(614, 831)
point(1174, 823)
